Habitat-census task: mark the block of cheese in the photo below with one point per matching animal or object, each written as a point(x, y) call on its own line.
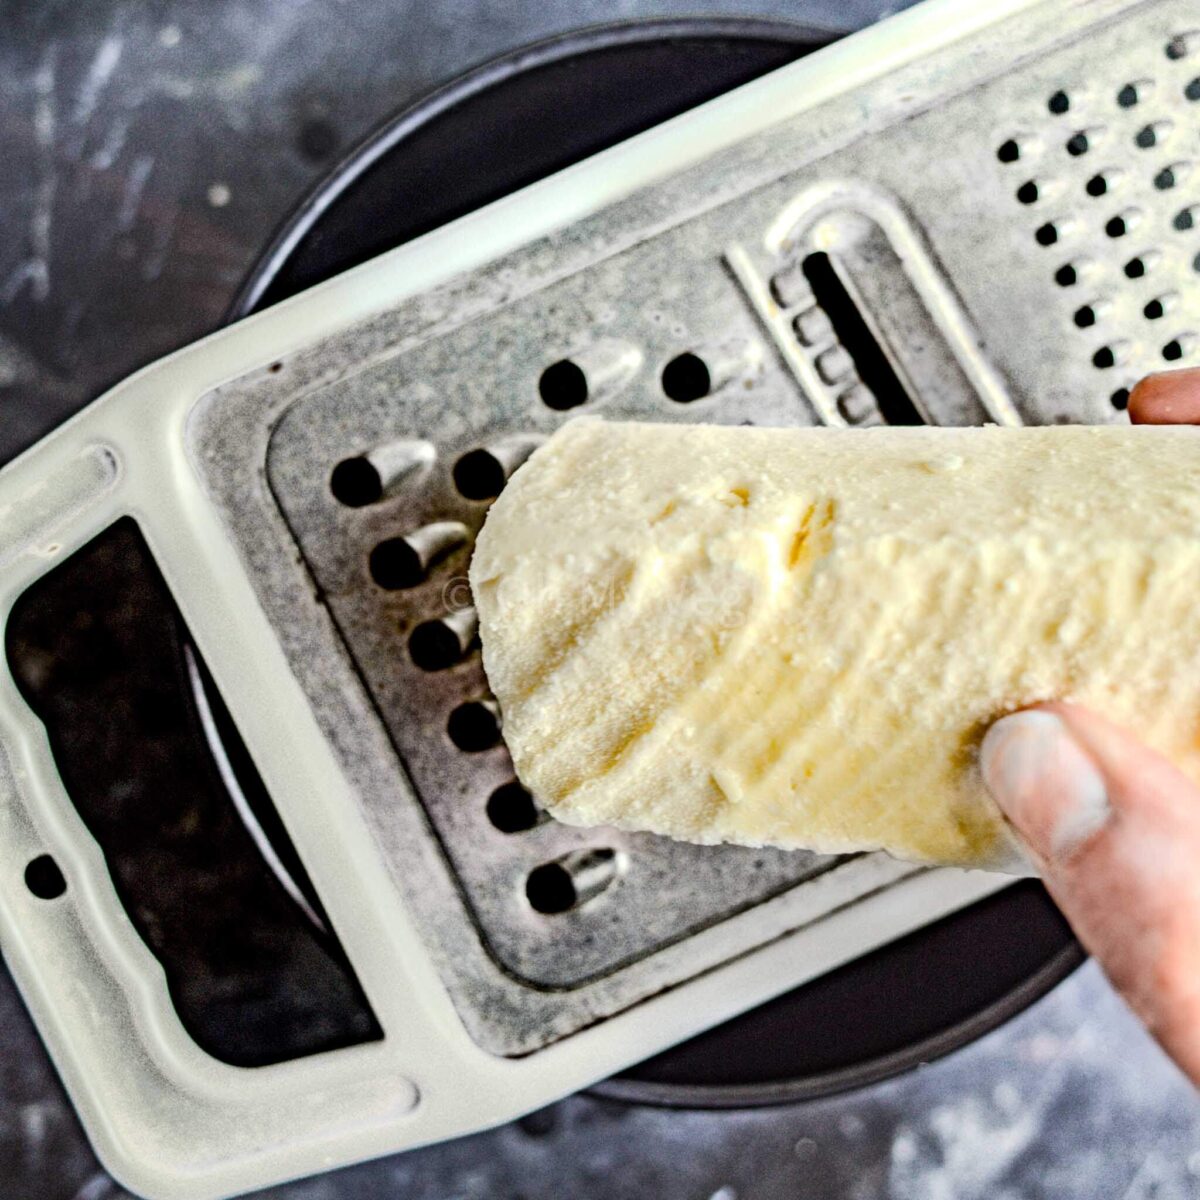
point(797, 637)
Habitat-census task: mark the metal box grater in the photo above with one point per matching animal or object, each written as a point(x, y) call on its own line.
point(953, 217)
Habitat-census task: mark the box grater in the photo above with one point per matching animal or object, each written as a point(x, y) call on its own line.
point(956, 216)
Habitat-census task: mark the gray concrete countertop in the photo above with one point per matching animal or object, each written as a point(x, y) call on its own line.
point(149, 150)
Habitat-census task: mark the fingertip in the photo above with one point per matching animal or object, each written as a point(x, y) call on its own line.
point(1167, 398)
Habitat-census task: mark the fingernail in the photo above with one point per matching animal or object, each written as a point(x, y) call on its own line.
point(1044, 782)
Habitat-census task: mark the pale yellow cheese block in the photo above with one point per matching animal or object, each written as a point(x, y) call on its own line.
point(796, 637)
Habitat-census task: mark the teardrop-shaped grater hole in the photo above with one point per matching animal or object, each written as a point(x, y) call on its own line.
point(1009, 151)
point(403, 562)
point(1158, 308)
point(1079, 144)
point(1085, 317)
point(1097, 185)
point(1152, 135)
point(438, 644)
point(1179, 348)
point(1166, 179)
point(1105, 358)
point(686, 378)
point(1059, 103)
point(573, 880)
point(1028, 192)
point(1187, 219)
point(1192, 91)
point(1122, 223)
point(1047, 234)
point(1067, 275)
point(355, 483)
point(1120, 399)
point(475, 725)
point(1141, 265)
point(1183, 44)
point(1135, 93)
point(563, 385)
point(510, 809)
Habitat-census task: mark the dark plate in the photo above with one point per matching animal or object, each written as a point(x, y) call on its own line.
point(511, 123)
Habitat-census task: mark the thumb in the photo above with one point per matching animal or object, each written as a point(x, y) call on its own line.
point(1115, 831)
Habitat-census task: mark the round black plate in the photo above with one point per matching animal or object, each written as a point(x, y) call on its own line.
point(513, 122)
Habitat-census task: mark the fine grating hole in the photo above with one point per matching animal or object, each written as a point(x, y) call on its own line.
point(1179, 47)
point(1009, 151)
point(686, 378)
point(479, 475)
point(1128, 96)
point(1154, 311)
point(1066, 275)
point(1097, 185)
point(434, 646)
point(1135, 268)
point(474, 726)
point(563, 385)
point(354, 482)
point(1104, 358)
point(1047, 234)
point(1173, 350)
point(511, 809)
point(1085, 317)
point(550, 889)
point(1059, 103)
point(44, 879)
point(394, 564)
point(1116, 227)
point(1027, 193)
point(1165, 179)
point(1185, 220)
point(1120, 399)
point(1147, 138)
point(1078, 144)
point(1192, 91)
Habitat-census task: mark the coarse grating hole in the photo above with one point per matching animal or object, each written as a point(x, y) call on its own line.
point(1059, 103)
point(394, 564)
point(1047, 234)
point(1120, 399)
point(1104, 358)
point(1155, 310)
point(563, 385)
point(511, 809)
point(1067, 275)
point(355, 483)
point(686, 379)
point(1165, 180)
point(1097, 185)
point(1173, 351)
point(1085, 317)
point(1078, 144)
point(550, 889)
point(1119, 226)
point(434, 646)
point(1185, 220)
point(479, 475)
point(1009, 151)
point(1027, 193)
point(44, 879)
point(1135, 268)
point(474, 726)
point(1150, 135)
point(1192, 91)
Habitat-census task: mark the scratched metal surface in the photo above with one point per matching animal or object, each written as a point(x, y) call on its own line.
point(148, 150)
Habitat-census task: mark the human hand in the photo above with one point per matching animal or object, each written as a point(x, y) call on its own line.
point(1113, 827)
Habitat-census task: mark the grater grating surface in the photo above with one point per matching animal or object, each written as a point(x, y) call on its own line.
point(1032, 271)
